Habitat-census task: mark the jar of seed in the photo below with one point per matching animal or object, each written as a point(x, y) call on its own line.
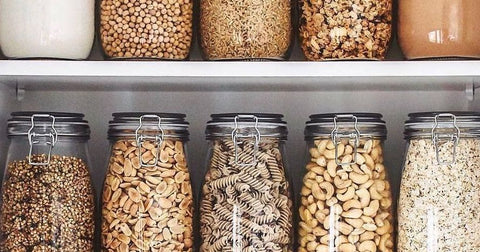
point(47, 194)
point(246, 196)
point(146, 29)
point(147, 202)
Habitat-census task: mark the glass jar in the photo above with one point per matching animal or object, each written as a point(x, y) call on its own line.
point(439, 28)
point(47, 194)
point(439, 204)
point(47, 28)
point(154, 29)
point(346, 202)
point(345, 29)
point(147, 196)
point(246, 199)
point(246, 30)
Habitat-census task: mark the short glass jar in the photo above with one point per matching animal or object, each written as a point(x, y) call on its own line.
point(246, 30)
point(47, 28)
point(439, 204)
point(439, 28)
point(153, 29)
point(246, 196)
point(47, 195)
point(147, 201)
point(345, 29)
point(346, 202)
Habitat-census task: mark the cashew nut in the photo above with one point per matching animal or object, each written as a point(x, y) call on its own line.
point(319, 231)
point(364, 196)
point(385, 242)
point(358, 178)
point(332, 168)
point(318, 170)
point(367, 184)
point(386, 203)
point(317, 192)
point(384, 229)
point(329, 189)
point(367, 236)
point(347, 247)
point(353, 213)
point(379, 219)
point(344, 228)
point(321, 161)
point(322, 145)
point(369, 246)
point(369, 161)
point(353, 238)
point(370, 226)
point(351, 204)
point(372, 209)
point(360, 159)
point(340, 183)
point(347, 195)
point(374, 194)
point(356, 223)
point(314, 152)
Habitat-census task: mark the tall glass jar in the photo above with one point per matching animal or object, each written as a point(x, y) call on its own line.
point(345, 29)
point(153, 29)
point(47, 28)
point(346, 202)
point(246, 30)
point(246, 199)
point(147, 196)
point(439, 204)
point(47, 194)
point(439, 28)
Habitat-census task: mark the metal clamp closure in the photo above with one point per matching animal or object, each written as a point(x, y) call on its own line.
point(34, 138)
point(336, 137)
point(236, 138)
point(157, 139)
point(438, 137)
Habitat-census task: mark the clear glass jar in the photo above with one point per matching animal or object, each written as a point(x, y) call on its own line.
point(246, 196)
point(154, 29)
point(246, 30)
point(47, 195)
point(346, 202)
point(47, 28)
point(439, 28)
point(345, 29)
point(439, 204)
point(147, 202)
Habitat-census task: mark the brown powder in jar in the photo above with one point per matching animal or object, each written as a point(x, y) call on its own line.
point(439, 28)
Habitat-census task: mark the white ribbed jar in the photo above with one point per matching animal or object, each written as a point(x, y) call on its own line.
point(47, 28)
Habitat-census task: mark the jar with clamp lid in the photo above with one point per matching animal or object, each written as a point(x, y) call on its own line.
point(246, 200)
point(47, 194)
point(346, 203)
point(439, 204)
point(147, 201)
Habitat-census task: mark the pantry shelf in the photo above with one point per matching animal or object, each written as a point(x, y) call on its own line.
point(239, 76)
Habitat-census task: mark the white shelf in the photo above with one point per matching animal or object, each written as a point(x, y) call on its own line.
point(244, 76)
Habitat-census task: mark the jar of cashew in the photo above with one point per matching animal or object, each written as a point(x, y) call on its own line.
point(439, 203)
point(246, 196)
point(147, 201)
point(346, 203)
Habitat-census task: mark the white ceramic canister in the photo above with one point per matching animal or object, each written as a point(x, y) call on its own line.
point(62, 29)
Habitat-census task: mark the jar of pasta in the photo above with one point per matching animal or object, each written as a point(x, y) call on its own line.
point(246, 197)
point(439, 204)
point(346, 203)
point(47, 195)
point(147, 202)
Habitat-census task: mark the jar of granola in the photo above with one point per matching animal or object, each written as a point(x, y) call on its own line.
point(246, 199)
point(439, 204)
point(47, 194)
point(346, 202)
point(147, 202)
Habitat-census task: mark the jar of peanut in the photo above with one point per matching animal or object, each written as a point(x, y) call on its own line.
point(345, 29)
point(246, 200)
point(47, 195)
point(346, 203)
point(439, 204)
point(146, 29)
point(147, 202)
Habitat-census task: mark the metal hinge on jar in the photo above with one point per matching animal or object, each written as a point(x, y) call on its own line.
point(157, 139)
point(35, 138)
point(442, 137)
point(336, 137)
point(237, 136)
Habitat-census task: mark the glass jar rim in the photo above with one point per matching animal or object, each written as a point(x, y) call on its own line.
point(460, 123)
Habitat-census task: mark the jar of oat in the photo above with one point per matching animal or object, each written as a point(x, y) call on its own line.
point(246, 200)
point(439, 204)
point(147, 202)
point(47, 194)
point(47, 28)
point(146, 29)
point(431, 29)
point(345, 29)
point(346, 202)
point(246, 30)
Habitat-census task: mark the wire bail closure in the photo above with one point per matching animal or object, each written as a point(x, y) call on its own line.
point(454, 137)
point(336, 137)
point(52, 137)
point(140, 138)
point(236, 137)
